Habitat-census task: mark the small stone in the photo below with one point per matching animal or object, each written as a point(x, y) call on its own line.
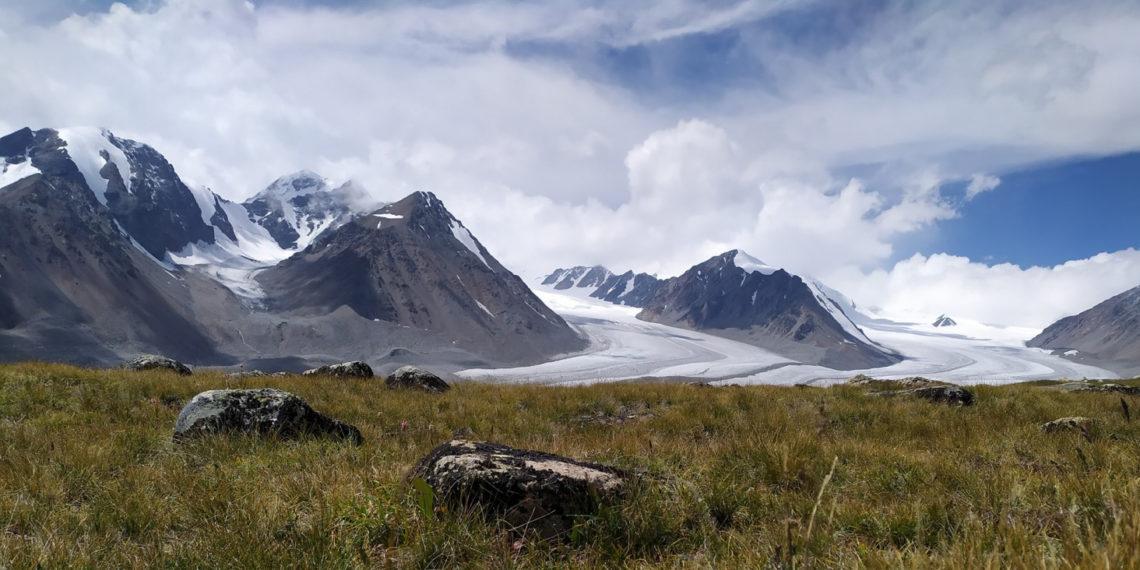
point(354, 369)
point(264, 411)
point(527, 490)
point(156, 361)
point(410, 377)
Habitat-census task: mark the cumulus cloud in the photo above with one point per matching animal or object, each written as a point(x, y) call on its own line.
point(922, 287)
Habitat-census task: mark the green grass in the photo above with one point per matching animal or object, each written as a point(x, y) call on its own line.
point(730, 477)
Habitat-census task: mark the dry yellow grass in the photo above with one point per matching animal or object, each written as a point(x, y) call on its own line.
point(731, 477)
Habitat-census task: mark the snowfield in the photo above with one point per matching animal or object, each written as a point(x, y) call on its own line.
point(624, 348)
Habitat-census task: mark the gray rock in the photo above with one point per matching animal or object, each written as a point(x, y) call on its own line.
point(264, 411)
point(1075, 423)
point(354, 369)
point(909, 382)
point(247, 374)
point(527, 490)
point(410, 377)
point(1106, 387)
point(950, 395)
point(155, 361)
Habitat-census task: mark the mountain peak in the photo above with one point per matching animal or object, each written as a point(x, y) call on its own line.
point(300, 183)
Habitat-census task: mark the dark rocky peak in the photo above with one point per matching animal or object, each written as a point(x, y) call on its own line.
point(629, 288)
point(413, 264)
point(137, 185)
point(579, 276)
point(738, 296)
point(944, 321)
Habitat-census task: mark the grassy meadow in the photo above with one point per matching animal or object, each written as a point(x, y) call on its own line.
point(753, 477)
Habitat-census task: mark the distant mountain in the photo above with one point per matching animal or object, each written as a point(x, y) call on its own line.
point(944, 321)
point(414, 264)
point(579, 276)
point(736, 296)
point(1107, 335)
point(295, 209)
point(629, 289)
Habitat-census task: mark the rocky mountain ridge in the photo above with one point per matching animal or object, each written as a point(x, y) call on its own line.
point(110, 254)
point(1107, 334)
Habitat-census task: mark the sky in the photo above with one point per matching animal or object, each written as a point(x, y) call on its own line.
point(974, 158)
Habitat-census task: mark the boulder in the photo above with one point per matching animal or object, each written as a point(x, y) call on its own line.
point(155, 361)
point(247, 374)
point(1104, 387)
point(410, 377)
point(950, 395)
point(910, 382)
point(530, 491)
point(1080, 424)
point(354, 369)
point(264, 411)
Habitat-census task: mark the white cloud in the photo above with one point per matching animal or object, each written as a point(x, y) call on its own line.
point(923, 287)
point(981, 183)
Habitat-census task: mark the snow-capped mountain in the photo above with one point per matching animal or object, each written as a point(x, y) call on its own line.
point(107, 253)
point(413, 263)
point(579, 276)
point(1107, 334)
point(297, 208)
point(739, 297)
point(630, 289)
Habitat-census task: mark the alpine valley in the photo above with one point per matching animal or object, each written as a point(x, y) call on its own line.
point(107, 253)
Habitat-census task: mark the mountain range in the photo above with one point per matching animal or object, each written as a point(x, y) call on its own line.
point(737, 296)
point(108, 253)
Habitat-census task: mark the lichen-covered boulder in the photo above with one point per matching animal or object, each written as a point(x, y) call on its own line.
point(410, 377)
point(529, 491)
point(950, 395)
point(1079, 424)
point(909, 382)
point(1103, 387)
point(264, 411)
point(354, 369)
point(155, 362)
point(247, 374)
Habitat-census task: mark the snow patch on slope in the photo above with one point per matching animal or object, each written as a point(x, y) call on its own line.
point(465, 238)
point(751, 264)
point(84, 145)
point(10, 173)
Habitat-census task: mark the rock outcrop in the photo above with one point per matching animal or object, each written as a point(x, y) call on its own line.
point(354, 369)
point(530, 491)
point(1102, 387)
point(410, 377)
point(265, 411)
point(156, 362)
point(949, 395)
point(1080, 424)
